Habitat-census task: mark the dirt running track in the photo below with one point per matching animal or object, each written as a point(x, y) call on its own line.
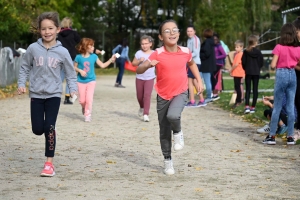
point(118, 156)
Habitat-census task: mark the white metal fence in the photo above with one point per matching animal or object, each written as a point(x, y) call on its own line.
point(9, 69)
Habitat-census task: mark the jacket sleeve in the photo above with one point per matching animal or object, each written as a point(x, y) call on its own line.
point(244, 60)
point(70, 73)
point(223, 54)
point(115, 49)
point(196, 48)
point(261, 61)
point(25, 68)
point(205, 50)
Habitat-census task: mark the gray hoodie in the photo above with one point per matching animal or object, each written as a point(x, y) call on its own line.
point(43, 67)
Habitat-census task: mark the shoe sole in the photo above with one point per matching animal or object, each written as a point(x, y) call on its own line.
point(168, 173)
point(290, 143)
point(216, 99)
point(178, 149)
point(270, 143)
point(47, 175)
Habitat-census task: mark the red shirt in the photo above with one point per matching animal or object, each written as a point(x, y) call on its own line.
point(171, 73)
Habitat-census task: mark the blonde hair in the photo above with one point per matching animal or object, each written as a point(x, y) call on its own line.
point(240, 43)
point(66, 22)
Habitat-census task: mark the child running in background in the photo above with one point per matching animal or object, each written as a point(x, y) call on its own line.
point(237, 72)
point(252, 62)
point(86, 79)
point(286, 56)
point(172, 84)
point(43, 63)
point(144, 82)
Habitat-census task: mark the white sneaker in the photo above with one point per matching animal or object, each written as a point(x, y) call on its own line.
point(178, 141)
point(141, 112)
point(265, 129)
point(88, 118)
point(169, 169)
point(146, 118)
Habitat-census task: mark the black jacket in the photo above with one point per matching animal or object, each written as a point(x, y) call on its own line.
point(69, 39)
point(207, 56)
point(252, 61)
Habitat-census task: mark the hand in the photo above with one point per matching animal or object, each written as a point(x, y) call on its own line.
point(141, 59)
point(97, 51)
point(83, 73)
point(113, 58)
point(21, 90)
point(153, 63)
point(73, 93)
point(200, 88)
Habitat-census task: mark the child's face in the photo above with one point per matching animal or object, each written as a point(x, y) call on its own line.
point(146, 45)
point(238, 48)
point(190, 32)
point(48, 31)
point(170, 34)
point(90, 48)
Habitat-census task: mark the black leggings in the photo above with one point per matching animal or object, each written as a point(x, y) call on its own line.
point(283, 117)
point(43, 118)
point(237, 88)
point(255, 80)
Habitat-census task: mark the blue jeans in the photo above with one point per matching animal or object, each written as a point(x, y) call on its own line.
point(121, 65)
point(285, 84)
point(62, 75)
point(207, 81)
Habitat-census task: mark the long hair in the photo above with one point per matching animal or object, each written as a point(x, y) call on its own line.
point(252, 41)
point(288, 35)
point(83, 45)
point(66, 22)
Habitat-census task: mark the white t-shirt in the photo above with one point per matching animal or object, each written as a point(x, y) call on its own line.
point(149, 73)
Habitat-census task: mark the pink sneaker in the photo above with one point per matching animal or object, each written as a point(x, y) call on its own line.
point(48, 170)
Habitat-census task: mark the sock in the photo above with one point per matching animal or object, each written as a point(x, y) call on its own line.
point(246, 106)
point(192, 101)
point(168, 158)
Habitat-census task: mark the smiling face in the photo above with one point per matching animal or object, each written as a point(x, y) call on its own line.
point(48, 31)
point(190, 32)
point(169, 34)
point(146, 45)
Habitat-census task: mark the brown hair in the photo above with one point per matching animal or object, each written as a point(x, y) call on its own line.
point(288, 35)
point(83, 44)
point(252, 40)
point(207, 33)
point(149, 38)
point(296, 23)
point(53, 16)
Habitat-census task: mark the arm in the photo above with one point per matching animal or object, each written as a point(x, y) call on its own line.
point(137, 61)
point(107, 63)
point(223, 54)
point(297, 67)
point(146, 65)
point(115, 49)
point(194, 69)
point(274, 61)
point(196, 48)
point(244, 61)
point(70, 74)
point(127, 57)
point(205, 50)
point(24, 71)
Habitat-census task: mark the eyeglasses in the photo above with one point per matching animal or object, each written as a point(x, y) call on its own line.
point(174, 31)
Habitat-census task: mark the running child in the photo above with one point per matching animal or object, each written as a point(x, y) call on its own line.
point(43, 63)
point(172, 87)
point(286, 56)
point(84, 64)
point(144, 82)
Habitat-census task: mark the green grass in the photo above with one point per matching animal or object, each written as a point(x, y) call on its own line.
point(111, 71)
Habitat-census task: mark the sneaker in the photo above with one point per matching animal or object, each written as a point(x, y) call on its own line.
point(290, 140)
point(252, 110)
point(146, 118)
point(141, 112)
point(201, 104)
point(48, 170)
point(215, 98)
point(208, 100)
point(67, 101)
point(247, 110)
point(282, 129)
point(121, 86)
point(88, 118)
point(169, 169)
point(178, 141)
point(265, 129)
point(116, 84)
point(269, 140)
point(190, 105)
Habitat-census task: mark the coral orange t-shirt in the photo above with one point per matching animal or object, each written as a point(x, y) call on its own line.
point(238, 71)
point(172, 78)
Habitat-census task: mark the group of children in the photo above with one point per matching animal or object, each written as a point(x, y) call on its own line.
point(45, 59)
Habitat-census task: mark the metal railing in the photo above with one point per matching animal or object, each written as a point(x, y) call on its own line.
point(9, 69)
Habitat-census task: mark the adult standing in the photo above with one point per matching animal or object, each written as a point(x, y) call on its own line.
point(123, 50)
point(69, 39)
point(193, 43)
point(208, 61)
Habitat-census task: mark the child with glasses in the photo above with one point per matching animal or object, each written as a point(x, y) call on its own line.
point(172, 84)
